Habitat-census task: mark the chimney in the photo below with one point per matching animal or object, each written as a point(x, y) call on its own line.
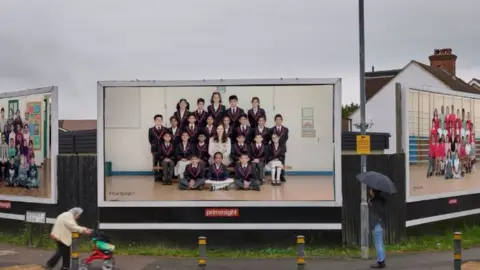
point(444, 59)
point(373, 68)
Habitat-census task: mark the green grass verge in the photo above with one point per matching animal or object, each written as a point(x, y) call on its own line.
point(471, 237)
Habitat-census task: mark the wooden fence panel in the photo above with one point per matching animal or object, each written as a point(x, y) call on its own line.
point(392, 166)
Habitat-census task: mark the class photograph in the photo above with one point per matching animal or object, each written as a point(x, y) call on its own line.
point(25, 147)
point(442, 133)
point(228, 143)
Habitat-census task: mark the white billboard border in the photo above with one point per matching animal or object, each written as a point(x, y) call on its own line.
point(337, 116)
point(53, 91)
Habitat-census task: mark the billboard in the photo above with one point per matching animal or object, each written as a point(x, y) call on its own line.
point(182, 143)
point(28, 147)
point(442, 134)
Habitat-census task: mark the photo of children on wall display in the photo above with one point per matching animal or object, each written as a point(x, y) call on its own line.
point(452, 144)
point(24, 165)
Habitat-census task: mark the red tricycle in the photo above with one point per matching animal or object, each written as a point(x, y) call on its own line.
point(102, 250)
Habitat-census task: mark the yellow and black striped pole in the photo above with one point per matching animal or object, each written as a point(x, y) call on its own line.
point(202, 250)
point(75, 255)
point(457, 251)
point(300, 252)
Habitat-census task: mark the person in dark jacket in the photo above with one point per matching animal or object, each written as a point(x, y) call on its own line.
point(377, 225)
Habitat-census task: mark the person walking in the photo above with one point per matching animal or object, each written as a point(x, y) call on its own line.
point(64, 226)
point(377, 225)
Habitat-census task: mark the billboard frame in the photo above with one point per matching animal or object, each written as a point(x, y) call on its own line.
point(337, 164)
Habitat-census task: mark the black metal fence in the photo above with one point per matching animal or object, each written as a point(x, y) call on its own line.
point(394, 167)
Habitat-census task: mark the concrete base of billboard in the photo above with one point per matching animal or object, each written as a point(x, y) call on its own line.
point(144, 188)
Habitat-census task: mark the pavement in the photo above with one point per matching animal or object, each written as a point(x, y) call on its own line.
point(16, 256)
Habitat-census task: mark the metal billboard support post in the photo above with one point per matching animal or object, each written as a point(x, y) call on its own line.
point(364, 233)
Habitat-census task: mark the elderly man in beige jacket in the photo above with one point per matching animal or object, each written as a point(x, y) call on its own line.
point(62, 230)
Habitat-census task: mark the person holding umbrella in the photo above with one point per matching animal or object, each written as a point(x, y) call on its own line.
point(377, 224)
point(378, 184)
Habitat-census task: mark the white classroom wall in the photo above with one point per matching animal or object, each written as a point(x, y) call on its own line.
point(380, 109)
point(129, 114)
point(22, 105)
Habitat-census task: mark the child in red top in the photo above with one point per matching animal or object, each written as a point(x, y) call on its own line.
point(452, 117)
point(436, 119)
point(469, 123)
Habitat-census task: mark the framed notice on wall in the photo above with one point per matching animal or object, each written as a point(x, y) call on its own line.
point(34, 110)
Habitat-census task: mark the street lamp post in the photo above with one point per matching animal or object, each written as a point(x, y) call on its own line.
point(364, 233)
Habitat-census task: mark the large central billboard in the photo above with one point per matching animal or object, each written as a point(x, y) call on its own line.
point(191, 143)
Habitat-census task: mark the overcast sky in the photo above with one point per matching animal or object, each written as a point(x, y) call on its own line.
point(74, 44)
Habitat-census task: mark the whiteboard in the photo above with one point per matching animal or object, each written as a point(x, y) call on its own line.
point(122, 107)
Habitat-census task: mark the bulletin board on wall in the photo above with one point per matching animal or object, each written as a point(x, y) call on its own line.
point(34, 110)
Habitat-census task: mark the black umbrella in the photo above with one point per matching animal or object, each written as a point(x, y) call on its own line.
point(377, 181)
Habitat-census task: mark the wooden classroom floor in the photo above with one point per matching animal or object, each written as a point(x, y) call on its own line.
point(144, 188)
point(43, 191)
point(420, 185)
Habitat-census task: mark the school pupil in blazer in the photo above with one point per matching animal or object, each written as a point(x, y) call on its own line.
point(183, 153)
point(216, 109)
point(155, 135)
point(234, 112)
point(182, 112)
point(282, 133)
point(166, 157)
point(245, 178)
point(255, 112)
point(210, 127)
point(192, 129)
point(200, 114)
point(201, 149)
point(244, 129)
point(194, 176)
point(258, 156)
point(276, 159)
point(262, 130)
point(218, 175)
point(175, 131)
point(239, 148)
point(229, 128)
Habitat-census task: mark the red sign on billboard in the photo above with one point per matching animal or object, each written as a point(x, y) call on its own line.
point(222, 212)
point(5, 205)
point(452, 201)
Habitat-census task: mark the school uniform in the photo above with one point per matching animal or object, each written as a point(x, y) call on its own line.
point(201, 151)
point(200, 117)
point(245, 173)
point(168, 166)
point(238, 150)
point(282, 133)
point(234, 115)
point(182, 118)
point(194, 172)
point(183, 150)
point(246, 131)
point(155, 137)
point(230, 132)
point(264, 132)
point(275, 160)
point(209, 131)
point(217, 113)
point(176, 135)
point(253, 116)
point(192, 131)
point(258, 152)
point(218, 177)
